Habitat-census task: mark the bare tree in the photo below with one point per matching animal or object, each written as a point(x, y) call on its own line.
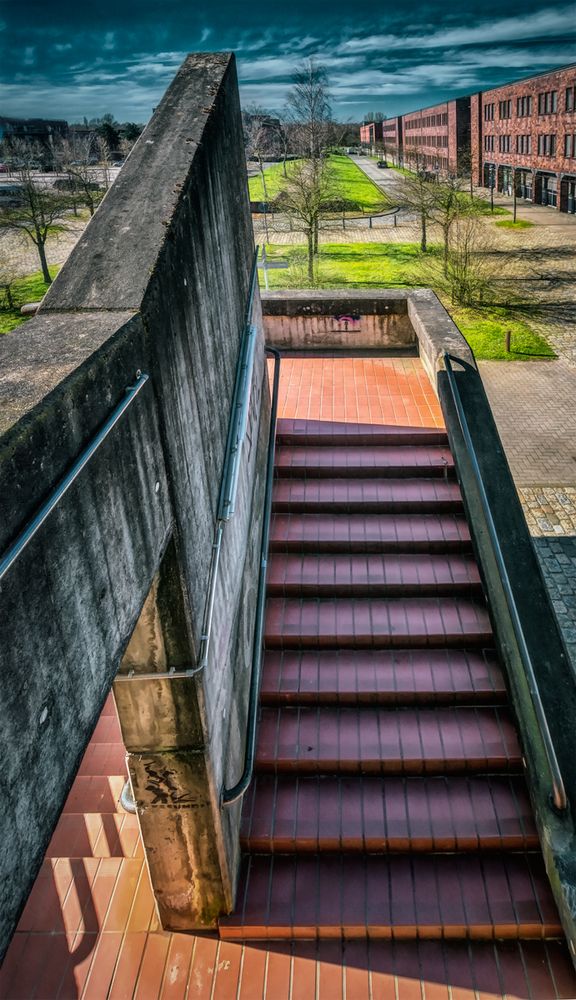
point(447, 204)
point(308, 108)
point(309, 191)
point(469, 271)
point(259, 142)
point(415, 195)
point(40, 208)
point(73, 158)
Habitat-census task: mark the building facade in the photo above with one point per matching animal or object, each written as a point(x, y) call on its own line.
point(392, 140)
point(437, 138)
point(371, 134)
point(523, 138)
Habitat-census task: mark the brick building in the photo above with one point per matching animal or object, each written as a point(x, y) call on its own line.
point(392, 140)
point(523, 136)
point(438, 138)
point(371, 134)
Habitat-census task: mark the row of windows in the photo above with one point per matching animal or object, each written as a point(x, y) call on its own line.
point(429, 121)
point(546, 144)
point(438, 141)
point(547, 105)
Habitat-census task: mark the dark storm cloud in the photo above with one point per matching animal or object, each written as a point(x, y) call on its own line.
point(70, 59)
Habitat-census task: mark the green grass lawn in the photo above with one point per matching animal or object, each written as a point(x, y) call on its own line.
point(403, 265)
point(351, 183)
point(29, 289)
point(510, 224)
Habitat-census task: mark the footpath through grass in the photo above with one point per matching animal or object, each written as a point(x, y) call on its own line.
point(403, 265)
point(28, 289)
point(350, 183)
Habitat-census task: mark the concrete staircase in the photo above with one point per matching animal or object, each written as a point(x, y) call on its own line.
point(389, 799)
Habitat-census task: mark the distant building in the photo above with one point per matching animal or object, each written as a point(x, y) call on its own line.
point(371, 134)
point(40, 130)
point(392, 140)
point(524, 137)
point(437, 138)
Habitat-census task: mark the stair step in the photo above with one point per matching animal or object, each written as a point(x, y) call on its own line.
point(425, 896)
point(372, 574)
point(299, 814)
point(380, 460)
point(380, 741)
point(408, 622)
point(405, 676)
point(413, 533)
point(367, 495)
point(331, 432)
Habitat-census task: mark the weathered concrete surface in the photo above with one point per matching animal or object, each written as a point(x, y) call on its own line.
point(159, 283)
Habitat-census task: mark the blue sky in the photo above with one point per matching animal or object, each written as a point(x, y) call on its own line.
point(67, 59)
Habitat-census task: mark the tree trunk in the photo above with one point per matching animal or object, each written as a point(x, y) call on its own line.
point(311, 256)
point(423, 244)
point(446, 232)
point(316, 237)
point(43, 262)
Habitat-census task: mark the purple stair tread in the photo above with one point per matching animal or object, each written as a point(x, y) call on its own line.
point(362, 495)
point(367, 574)
point(377, 460)
point(388, 676)
point(401, 622)
point(386, 741)
point(429, 896)
point(332, 432)
point(285, 814)
point(369, 533)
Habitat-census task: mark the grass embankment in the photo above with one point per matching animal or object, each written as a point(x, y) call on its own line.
point(28, 289)
point(403, 265)
point(349, 182)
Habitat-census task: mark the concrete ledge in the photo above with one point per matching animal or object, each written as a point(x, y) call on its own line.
point(359, 319)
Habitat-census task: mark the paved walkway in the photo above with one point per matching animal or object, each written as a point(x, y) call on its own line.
point(534, 404)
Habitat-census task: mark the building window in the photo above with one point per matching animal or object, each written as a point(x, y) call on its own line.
point(488, 112)
point(524, 144)
point(504, 143)
point(548, 102)
point(505, 109)
point(546, 145)
point(524, 106)
point(570, 146)
point(445, 118)
point(571, 98)
point(489, 143)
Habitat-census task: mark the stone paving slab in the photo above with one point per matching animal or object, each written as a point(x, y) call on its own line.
point(534, 404)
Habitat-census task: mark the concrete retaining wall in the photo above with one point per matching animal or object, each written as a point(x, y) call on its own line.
point(158, 282)
point(351, 319)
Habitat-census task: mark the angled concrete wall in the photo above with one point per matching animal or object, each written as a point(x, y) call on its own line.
point(158, 283)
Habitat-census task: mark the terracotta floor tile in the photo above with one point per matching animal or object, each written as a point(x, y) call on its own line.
point(253, 975)
point(202, 968)
point(179, 959)
point(152, 967)
point(128, 966)
point(103, 965)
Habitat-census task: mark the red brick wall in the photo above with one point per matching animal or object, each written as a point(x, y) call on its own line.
point(559, 123)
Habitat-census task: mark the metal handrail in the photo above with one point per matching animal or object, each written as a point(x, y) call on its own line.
point(231, 795)
point(558, 797)
point(228, 487)
point(13, 552)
